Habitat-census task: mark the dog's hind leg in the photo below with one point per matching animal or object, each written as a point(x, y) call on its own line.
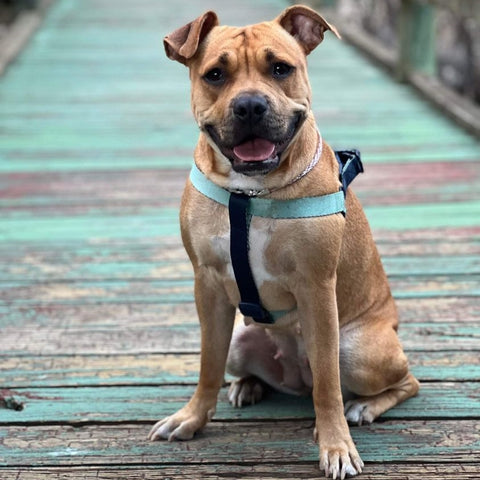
point(380, 375)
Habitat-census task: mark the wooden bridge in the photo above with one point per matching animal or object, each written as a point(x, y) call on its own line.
point(98, 330)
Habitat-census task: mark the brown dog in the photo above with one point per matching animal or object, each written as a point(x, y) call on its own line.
point(251, 99)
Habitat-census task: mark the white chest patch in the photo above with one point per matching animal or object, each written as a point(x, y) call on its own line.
point(259, 238)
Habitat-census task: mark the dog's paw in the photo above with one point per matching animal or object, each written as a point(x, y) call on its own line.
point(338, 455)
point(181, 426)
point(341, 460)
point(358, 412)
point(246, 391)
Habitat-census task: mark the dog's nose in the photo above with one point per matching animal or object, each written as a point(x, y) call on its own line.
point(250, 108)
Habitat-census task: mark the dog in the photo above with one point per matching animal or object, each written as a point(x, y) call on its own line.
point(259, 143)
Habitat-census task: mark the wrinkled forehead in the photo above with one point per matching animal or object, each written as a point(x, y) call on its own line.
point(269, 41)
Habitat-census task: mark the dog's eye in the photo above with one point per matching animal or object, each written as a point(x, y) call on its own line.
point(215, 76)
point(281, 70)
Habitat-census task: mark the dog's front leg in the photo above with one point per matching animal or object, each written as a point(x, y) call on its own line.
point(216, 320)
point(320, 328)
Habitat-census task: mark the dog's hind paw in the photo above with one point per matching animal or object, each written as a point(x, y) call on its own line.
point(357, 412)
point(246, 391)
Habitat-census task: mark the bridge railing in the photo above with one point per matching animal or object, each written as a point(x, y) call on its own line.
point(432, 44)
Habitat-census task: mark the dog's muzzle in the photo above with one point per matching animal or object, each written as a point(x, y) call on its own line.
point(257, 136)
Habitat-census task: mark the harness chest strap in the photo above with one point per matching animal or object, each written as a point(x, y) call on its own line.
point(242, 208)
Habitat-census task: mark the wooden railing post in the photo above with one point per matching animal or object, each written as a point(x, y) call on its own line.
point(416, 39)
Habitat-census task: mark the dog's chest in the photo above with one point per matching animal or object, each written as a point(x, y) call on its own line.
point(260, 236)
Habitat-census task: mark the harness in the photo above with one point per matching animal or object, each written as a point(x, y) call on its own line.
point(242, 207)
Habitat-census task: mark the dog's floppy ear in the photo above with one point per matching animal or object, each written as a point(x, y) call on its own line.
point(305, 25)
point(182, 44)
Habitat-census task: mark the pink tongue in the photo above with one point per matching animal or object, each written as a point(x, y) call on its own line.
point(254, 150)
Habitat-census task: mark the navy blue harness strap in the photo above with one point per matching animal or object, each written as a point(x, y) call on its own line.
point(250, 304)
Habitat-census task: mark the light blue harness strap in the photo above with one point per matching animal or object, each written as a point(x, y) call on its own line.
point(306, 207)
point(208, 188)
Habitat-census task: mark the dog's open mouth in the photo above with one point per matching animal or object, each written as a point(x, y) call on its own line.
point(255, 150)
point(255, 155)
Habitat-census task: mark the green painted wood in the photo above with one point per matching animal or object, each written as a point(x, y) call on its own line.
point(82, 78)
point(156, 222)
point(235, 443)
point(455, 310)
point(163, 266)
point(416, 38)
point(145, 404)
point(148, 369)
point(180, 290)
point(96, 137)
point(78, 193)
point(433, 324)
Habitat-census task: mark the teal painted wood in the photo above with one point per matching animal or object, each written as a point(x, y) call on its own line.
point(79, 274)
point(147, 369)
point(112, 336)
point(160, 222)
point(455, 311)
point(119, 192)
point(235, 443)
point(145, 404)
point(77, 88)
point(178, 290)
point(32, 268)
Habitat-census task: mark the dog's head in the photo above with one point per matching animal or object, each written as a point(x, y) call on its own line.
point(250, 90)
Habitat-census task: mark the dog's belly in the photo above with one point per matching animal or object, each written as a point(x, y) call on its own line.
point(277, 356)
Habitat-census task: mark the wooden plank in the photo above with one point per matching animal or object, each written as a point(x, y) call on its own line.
point(265, 471)
point(80, 192)
point(156, 222)
point(438, 310)
point(180, 290)
point(186, 339)
point(146, 404)
point(174, 264)
point(445, 246)
point(182, 369)
point(230, 443)
point(438, 324)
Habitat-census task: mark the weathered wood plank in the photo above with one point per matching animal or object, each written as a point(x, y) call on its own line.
point(456, 310)
point(161, 262)
point(180, 290)
point(146, 404)
point(444, 247)
point(265, 471)
point(186, 339)
point(234, 443)
point(156, 222)
point(83, 192)
point(438, 241)
point(148, 369)
point(84, 159)
point(443, 324)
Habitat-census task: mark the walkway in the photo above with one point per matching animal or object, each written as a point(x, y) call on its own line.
point(98, 331)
